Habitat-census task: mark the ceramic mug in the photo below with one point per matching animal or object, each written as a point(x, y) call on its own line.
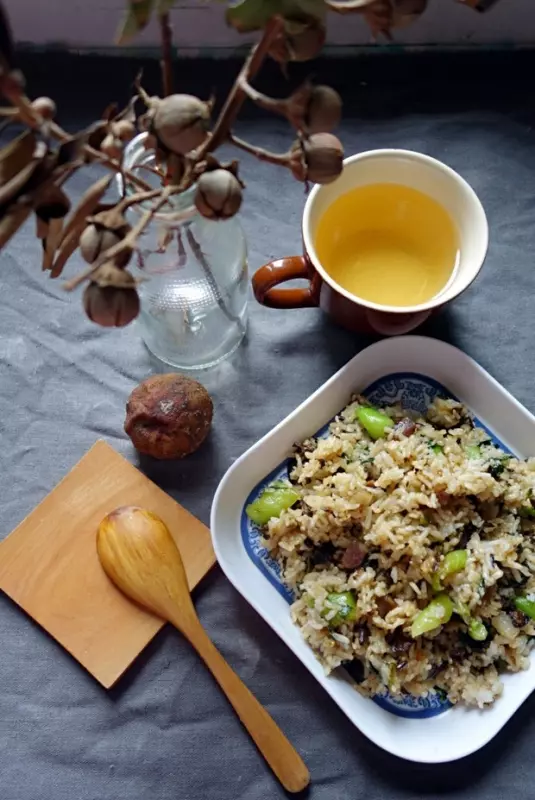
point(405, 167)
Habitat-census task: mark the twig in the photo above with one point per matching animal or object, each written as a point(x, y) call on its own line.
point(281, 159)
point(29, 116)
point(349, 7)
point(236, 96)
point(128, 243)
point(201, 258)
point(166, 63)
point(262, 100)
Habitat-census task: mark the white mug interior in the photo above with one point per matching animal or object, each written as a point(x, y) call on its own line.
point(420, 172)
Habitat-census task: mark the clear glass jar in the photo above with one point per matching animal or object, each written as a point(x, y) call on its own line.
point(194, 283)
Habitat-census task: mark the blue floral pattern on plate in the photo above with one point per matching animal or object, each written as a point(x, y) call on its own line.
point(415, 393)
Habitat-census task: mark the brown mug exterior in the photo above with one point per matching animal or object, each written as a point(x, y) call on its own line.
point(348, 313)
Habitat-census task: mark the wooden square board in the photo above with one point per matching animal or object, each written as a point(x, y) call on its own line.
point(49, 564)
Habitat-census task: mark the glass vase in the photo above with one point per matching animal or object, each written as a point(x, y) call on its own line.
point(193, 277)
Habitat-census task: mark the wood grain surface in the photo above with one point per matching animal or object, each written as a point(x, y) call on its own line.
point(49, 564)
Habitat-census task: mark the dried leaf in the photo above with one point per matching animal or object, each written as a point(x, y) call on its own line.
point(6, 39)
point(135, 19)
point(109, 112)
point(96, 133)
point(12, 188)
point(41, 228)
point(12, 221)
point(128, 113)
point(71, 150)
point(76, 224)
point(252, 15)
point(51, 242)
point(89, 201)
point(16, 155)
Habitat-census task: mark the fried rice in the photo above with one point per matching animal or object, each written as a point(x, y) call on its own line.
point(375, 520)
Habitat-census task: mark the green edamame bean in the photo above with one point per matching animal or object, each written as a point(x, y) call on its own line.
point(477, 631)
point(526, 606)
point(373, 421)
point(271, 503)
point(437, 613)
point(454, 561)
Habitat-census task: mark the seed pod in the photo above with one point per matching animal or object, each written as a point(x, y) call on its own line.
point(54, 205)
point(110, 307)
point(96, 240)
point(112, 147)
point(318, 159)
point(324, 110)
point(123, 130)
point(180, 122)
point(45, 107)
point(218, 194)
point(298, 43)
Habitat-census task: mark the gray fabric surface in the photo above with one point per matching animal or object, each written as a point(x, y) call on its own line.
point(165, 732)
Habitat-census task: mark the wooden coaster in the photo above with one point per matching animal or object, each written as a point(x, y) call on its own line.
point(49, 564)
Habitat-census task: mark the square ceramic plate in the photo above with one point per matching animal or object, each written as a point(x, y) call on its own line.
point(411, 370)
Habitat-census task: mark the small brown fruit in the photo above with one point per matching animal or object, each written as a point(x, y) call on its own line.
point(324, 110)
point(298, 43)
point(112, 147)
point(319, 159)
point(123, 130)
point(110, 307)
point(218, 194)
point(168, 416)
point(45, 107)
point(180, 122)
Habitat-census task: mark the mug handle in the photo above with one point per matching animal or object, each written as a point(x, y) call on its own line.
point(386, 325)
point(283, 269)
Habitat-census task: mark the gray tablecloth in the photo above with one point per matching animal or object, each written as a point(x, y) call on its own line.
point(165, 732)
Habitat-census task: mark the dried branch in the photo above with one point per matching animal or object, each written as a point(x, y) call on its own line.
point(281, 159)
point(128, 243)
point(166, 63)
point(237, 95)
point(201, 258)
point(33, 120)
point(272, 104)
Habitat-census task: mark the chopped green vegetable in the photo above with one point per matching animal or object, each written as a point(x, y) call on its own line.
point(272, 502)
point(477, 631)
point(346, 606)
point(437, 613)
point(373, 421)
point(526, 606)
point(463, 611)
point(528, 512)
point(473, 451)
point(453, 562)
point(437, 449)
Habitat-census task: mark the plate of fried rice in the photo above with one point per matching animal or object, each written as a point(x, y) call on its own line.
point(386, 531)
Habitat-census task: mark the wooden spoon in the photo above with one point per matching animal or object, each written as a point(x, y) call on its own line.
point(140, 556)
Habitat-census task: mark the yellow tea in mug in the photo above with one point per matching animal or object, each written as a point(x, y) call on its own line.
point(388, 244)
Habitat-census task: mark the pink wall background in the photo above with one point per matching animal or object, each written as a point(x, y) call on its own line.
point(91, 23)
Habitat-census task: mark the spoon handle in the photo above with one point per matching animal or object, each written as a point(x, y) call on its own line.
point(281, 756)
